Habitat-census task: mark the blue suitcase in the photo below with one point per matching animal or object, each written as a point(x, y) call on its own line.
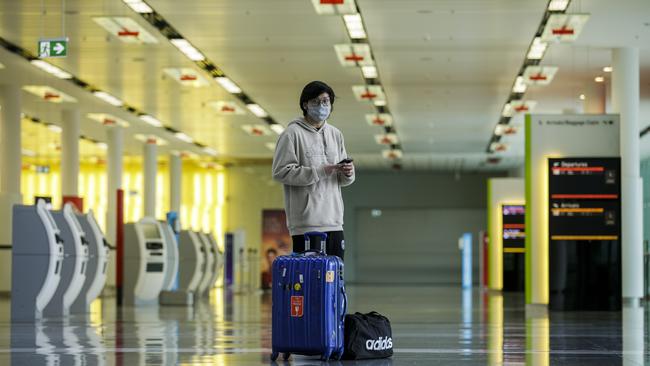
point(309, 303)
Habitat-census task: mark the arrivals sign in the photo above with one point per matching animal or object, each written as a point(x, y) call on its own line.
point(584, 199)
point(53, 47)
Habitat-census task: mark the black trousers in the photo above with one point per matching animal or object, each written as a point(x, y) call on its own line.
point(335, 244)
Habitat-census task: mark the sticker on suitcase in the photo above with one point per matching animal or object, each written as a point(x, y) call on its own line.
point(329, 277)
point(297, 303)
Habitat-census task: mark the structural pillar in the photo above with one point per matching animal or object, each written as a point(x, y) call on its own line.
point(625, 101)
point(10, 169)
point(70, 153)
point(595, 96)
point(115, 135)
point(175, 189)
point(150, 167)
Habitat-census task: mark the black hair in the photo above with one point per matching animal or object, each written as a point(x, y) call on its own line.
point(313, 90)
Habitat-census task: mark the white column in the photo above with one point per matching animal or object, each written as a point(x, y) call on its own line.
point(149, 182)
point(70, 153)
point(175, 189)
point(625, 101)
point(115, 149)
point(10, 165)
point(594, 102)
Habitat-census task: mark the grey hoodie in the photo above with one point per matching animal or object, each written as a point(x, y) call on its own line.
point(312, 199)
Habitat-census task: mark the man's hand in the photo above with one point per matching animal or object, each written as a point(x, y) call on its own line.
point(347, 169)
point(331, 169)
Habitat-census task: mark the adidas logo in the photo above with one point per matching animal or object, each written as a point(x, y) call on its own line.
point(380, 344)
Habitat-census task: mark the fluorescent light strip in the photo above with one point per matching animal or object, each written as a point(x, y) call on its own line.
point(55, 128)
point(151, 120)
point(101, 145)
point(257, 110)
point(51, 69)
point(537, 49)
point(354, 24)
point(520, 86)
point(188, 50)
point(184, 137)
point(108, 98)
point(558, 5)
point(369, 72)
point(210, 151)
point(277, 128)
point(138, 6)
point(228, 84)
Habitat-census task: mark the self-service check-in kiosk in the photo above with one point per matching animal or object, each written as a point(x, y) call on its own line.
point(218, 259)
point(192, 258)
point(144, 261)
point(37, 256)
point(75, 262)
point(97, 263)
point(172, 294)
point(206, 281)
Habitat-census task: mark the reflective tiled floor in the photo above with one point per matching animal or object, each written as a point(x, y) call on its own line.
point(431, 326)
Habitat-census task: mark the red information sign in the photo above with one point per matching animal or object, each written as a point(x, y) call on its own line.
point(297, 306)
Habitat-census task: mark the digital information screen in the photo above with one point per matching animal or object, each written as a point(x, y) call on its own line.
point(584, 199)
point(513, 228)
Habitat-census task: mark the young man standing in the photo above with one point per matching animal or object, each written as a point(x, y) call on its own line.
point(311, 162)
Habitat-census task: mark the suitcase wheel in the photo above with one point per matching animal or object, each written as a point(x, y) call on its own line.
point(337, 356)
point(274, 356)
point(286, 355)
point(326, 357)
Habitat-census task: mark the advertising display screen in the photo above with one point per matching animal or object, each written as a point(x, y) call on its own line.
point(584, 227)
point(584, 199)
point(513, 227)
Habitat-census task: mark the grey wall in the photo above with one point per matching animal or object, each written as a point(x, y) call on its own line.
point(413, 202)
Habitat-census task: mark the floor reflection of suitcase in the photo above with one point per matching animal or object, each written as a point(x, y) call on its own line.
point(309, 303)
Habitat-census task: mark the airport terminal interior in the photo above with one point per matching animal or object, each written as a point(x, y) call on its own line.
point(487, 161)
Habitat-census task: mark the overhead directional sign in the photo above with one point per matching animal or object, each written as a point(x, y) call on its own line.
point(53, 47)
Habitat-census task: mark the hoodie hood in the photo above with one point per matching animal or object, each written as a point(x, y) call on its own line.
point(300, 121)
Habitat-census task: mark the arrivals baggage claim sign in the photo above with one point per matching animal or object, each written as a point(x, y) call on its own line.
point(572, 195)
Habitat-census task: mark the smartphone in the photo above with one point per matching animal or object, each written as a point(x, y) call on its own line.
point(346, 161)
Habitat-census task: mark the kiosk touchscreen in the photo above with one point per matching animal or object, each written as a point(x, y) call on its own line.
point(75, 262)
point(37, 255)
point(97, 263)
point(191, 254)
point(208, 274)
point(144, 261)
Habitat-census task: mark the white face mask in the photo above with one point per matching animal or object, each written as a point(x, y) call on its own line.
point(319, 113)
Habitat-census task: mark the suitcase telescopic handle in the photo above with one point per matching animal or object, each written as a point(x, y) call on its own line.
point(322, 236)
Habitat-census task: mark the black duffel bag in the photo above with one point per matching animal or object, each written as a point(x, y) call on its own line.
point(367, 336)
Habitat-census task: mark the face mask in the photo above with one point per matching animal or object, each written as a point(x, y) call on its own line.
point(319, 113)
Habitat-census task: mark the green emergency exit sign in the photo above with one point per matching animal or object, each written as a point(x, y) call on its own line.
point(53, 47)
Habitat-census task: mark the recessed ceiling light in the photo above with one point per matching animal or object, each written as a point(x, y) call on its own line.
point(184, 137)
point(537, 49)
point(369, 72)
point(51, 69)
point(108, 98)
point(558, 5)
point(187, 49)
point(277, 128)
point(228, 84)
point(257, 110)
point(354, 24)
point(151, 120)
point(49, 94)
point(582, 97)
point(564, 27)
point(55, 128)
point(210, 151)
point(599, 79)
point(138, 6)
point(520, 86)
point(126, 29)
point(334, 7)
point(607, 69)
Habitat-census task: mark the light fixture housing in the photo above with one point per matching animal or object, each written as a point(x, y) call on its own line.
point(334, 7)
point(392, 154)
point(107, 119)
point(558, 5)
point(227, 108)
point(138, 6)
point(187, 49)
point(186, 76)
point(354, 24)
point(277, 128)
point(519, 87)
point(151, 120)
point(354, 54)
point(184, 137)
point(108, 98)
point(503, 130)
point(49, 94)
point(257, 110)
point(126, 29)
point(228, 84)
point(369, 72)
point(539, 75)
point(379, 119)
point(369, 93)
point(387, 139)
point(51, 69)
point(599, 79)
point(210, 151)
point(256, 130)
point(564, 27)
